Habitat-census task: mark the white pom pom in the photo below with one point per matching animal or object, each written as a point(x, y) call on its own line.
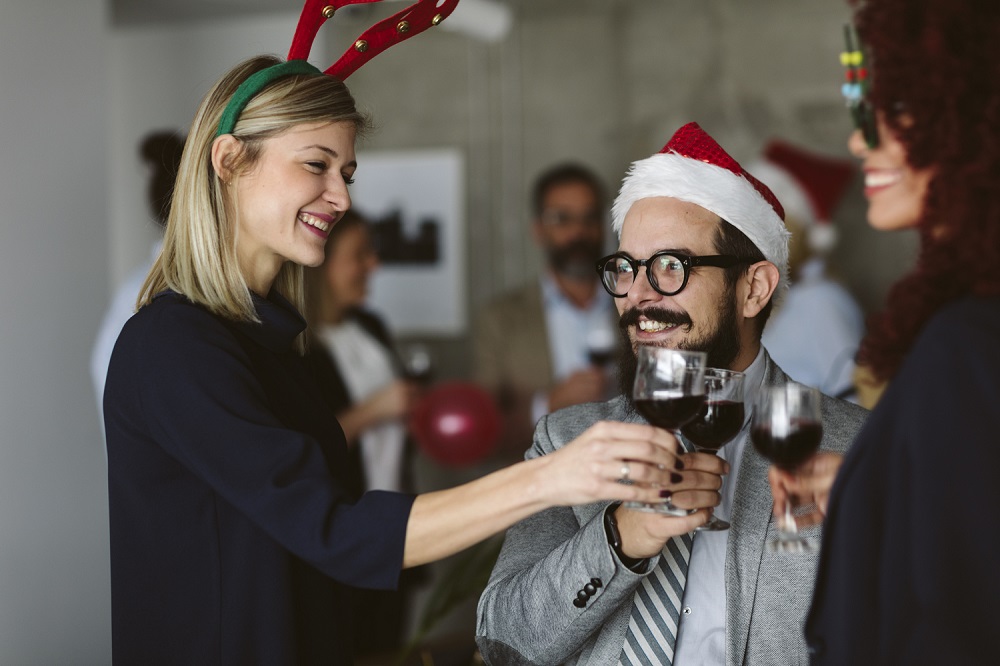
point(822, 237)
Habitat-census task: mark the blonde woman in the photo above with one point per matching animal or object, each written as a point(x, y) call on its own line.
point(232, 533)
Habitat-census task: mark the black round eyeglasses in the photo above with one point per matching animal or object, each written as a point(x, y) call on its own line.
point(667, 271)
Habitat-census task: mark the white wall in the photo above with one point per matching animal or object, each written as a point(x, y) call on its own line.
point(77, 97)
point(54, 596)
point(158, 76)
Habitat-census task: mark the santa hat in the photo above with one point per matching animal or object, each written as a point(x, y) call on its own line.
point(808, 185)
point(692, 167)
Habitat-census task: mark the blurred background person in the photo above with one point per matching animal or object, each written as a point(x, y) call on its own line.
point(354, 357)
point(367, 383)
point(161, 152)
point(546, 345)
point(815, 332)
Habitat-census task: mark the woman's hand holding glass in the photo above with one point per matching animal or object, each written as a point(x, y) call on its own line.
point(808, 485)
point(594, 466)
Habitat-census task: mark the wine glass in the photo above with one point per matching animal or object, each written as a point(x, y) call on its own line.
point(669, 391)
point(787, 428)
point(600, 346)
point(416, 360)
point(720, 420)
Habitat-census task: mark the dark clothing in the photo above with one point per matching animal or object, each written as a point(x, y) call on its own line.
point(379, 615)
point(334, 389)
point(232, 536)
point(908, 571)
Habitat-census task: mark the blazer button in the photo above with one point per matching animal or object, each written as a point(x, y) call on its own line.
point(590, 589)
point(582, 596)
point(579, 603)
point(596, 582)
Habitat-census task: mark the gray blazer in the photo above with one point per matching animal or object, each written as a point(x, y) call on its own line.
point(526, 613)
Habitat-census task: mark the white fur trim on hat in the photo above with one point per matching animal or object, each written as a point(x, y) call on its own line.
point(731, 197)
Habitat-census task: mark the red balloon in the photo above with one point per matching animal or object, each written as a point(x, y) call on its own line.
point(456, 423)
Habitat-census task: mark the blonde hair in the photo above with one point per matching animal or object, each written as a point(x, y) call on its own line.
point(199, 257)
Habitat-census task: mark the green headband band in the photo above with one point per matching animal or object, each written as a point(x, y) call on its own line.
point(253, 85)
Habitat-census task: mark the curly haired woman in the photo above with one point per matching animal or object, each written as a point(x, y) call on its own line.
point(907, 573)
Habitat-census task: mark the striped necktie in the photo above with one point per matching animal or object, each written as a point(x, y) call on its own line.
point(652, 628)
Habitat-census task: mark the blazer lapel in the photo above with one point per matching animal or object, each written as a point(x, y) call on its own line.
point(751, 514)
point(536, 331)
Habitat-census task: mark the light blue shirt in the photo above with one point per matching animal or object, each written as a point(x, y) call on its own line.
point(571, 332)
point(815, 333)
point(701, 637)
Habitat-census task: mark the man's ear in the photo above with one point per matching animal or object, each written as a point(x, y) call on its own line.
point(761, 279)
point(225, 148)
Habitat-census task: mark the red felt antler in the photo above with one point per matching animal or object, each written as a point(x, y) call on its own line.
point(411, 21)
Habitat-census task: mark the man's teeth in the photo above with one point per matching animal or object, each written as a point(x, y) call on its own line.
point(316, 222)
point(653, 326)
point(881, 178)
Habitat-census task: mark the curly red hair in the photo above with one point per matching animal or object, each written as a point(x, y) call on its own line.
point(939, 61)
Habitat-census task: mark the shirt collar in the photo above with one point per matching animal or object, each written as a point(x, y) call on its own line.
point(553, 297)
point(280, 323)
point(754, 380)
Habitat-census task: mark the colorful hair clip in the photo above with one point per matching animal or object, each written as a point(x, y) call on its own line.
point(855, 88)
point(411, 21)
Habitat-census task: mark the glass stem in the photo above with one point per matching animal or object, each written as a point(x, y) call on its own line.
point(790, 527)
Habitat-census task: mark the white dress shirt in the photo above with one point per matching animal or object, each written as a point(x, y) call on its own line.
point(571, 332)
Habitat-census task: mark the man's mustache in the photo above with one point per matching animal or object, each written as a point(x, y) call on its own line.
point(631, 317)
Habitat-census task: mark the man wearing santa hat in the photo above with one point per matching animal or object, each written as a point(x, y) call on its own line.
point(706, 253)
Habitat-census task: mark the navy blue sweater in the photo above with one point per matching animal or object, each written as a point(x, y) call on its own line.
point(232, 532)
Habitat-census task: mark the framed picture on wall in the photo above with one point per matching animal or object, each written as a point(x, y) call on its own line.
point(415, 201)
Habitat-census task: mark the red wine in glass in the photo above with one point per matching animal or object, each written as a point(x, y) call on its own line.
point(670, 413)
point(716, 423)
point(791, 448)
point(600, 358)
point(787, 429)
point(669, 390)
point(600, 346)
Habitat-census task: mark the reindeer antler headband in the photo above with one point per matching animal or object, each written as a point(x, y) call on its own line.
point(413, 20)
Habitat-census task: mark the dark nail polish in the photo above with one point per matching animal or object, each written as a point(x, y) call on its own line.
point(676, 478)
point(665, 494)
point(679, 465)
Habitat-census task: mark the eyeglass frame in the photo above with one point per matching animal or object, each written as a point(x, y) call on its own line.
point(687, 261)
point(861, 109)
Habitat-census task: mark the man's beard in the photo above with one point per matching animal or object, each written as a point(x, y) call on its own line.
point(721, 344)
point(576, 259)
